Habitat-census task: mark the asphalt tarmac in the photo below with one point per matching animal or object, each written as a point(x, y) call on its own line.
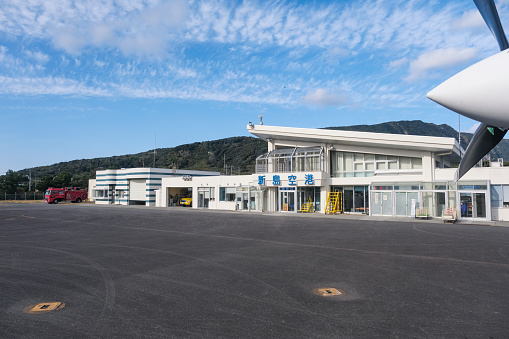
point(146, 272)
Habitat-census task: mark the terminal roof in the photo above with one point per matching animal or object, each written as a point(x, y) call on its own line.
point(368, 139)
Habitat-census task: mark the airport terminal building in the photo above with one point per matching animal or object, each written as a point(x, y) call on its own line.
point(134, 186)
point(303, 169)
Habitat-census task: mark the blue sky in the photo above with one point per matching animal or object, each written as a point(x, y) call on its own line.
point(96, 78)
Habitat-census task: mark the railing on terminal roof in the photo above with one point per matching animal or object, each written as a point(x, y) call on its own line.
point(297, 159)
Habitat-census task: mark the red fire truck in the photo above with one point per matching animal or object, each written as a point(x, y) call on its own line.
point(73, 194)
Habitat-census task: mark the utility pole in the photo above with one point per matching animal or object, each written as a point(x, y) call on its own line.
point(459, 132)
point(155, 146)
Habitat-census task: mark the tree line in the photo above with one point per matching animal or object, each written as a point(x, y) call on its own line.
point(237, 153)
point(18, 182)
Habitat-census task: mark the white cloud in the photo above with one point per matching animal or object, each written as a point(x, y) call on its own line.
point(39, 57)
point(421, 67)
point(47, 85)
point(165, 14)
point(70, 40)
point(398, 63)
point(470, 19)
point(338, 26)
point(101, 34)
point(243, 50)
point(3, 52)
point(99, 63)
point(19, 66)
point(323, 97)
point(183, 72)
point(132, 27)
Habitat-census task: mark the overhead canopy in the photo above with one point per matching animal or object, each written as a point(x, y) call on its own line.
point(366, 139)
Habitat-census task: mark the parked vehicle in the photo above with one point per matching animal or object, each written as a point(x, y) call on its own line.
point(73, 194)
point(186, 202)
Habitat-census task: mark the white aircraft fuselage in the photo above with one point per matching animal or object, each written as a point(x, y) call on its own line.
point(480, 92)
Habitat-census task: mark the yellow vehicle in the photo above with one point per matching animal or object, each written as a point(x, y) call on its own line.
point(186, 202)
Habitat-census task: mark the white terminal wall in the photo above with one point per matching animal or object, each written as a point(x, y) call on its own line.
point(493, 175)
point(429, 149)
point(162, 195)
point(147, 181)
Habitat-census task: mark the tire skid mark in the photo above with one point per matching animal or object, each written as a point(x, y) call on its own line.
point(300, 307)
point(109, 300)
point(122, 225)
point(458, 236)
point(286, 243)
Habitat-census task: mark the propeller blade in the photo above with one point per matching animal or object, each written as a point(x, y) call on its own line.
point(483, 141)
point(490, 15)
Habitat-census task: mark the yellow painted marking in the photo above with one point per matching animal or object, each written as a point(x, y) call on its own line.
point(44, 307)
point(328, 291)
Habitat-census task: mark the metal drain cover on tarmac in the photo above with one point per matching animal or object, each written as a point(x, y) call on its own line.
point(44, 307)
point(328, 292)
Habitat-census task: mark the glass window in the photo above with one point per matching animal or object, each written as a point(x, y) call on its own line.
point(406, 186)
point(299, 164)
point(440, 185)
point(369, 157)
point(291, 159)
point(497, 196)
point(505, 191)
point(378, 187)
point(348, 162)
point(405, 163)
point(427, 186)
point(416, 163)
point(452, 199)
point(472, 186)
point(317, 199)
point(225, 193)
point(393, 165)
point(312, 164)
point(479, 205)
point(345, 164)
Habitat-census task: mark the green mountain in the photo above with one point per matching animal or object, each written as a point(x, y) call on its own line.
point(239, 152)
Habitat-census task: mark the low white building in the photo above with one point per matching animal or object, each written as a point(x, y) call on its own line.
point(373, 173)
point(134, 186)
